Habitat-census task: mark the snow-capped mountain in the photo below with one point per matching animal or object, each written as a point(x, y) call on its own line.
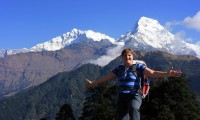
point(147, 34)
point(69, 38)
point(59, 42)
point(22, 71)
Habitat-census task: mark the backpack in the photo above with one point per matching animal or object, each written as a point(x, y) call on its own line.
point(145, 82)
point(145, 86)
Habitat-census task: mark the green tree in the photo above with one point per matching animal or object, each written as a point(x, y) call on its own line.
point(171, 100)
point(65, 113)
point(100, 105)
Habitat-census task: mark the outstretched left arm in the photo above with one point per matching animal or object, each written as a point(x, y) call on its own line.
point(160, 74)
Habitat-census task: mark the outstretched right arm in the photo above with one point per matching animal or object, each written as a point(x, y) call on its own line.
point(101, 80)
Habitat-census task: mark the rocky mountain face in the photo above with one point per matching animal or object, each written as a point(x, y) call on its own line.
point(21, 71)
point(148, 34)
point(24, 68)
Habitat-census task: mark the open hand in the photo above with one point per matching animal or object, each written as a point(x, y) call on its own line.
point(174, 73)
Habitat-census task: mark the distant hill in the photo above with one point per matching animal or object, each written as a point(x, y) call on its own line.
point(24, 70)
point(68, 87)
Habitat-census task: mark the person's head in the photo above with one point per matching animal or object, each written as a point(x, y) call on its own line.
point(128, 55)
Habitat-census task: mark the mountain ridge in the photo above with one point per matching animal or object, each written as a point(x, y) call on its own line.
point(147, 34)
point(26, 69)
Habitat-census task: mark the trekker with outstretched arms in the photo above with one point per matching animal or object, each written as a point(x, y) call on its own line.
point(130, 98)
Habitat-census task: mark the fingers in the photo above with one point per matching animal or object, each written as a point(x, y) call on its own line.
point(176, 73)
point(88, 84)
point(179, 73)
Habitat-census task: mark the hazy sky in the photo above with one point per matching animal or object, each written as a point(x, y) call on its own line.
point(25, 23)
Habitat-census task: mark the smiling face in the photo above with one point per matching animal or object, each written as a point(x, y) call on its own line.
point(128, 59)
point(128, 56)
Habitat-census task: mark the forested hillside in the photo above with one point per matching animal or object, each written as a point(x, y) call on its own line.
point(168, 98)
point(46, 99)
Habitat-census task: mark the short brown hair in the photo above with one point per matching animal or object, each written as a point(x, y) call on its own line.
point(128, 50)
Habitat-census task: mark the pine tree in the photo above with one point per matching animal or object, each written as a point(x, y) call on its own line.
point(171, 100)
point(100, 104)
point(65, 113)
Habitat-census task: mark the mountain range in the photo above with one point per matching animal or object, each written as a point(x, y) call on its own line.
point(24, 68)
point(45, 99)
point(147, 34)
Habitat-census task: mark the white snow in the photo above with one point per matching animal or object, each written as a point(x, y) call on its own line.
point(60, 42)
point(152, 33)
point(96, 36)
point(148, 32)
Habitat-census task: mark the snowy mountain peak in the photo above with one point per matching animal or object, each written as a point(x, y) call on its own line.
point(148, 34)
point(73, 33)
point(59, 42)
point(145, 23)
point(96, 36)
point(72, 37)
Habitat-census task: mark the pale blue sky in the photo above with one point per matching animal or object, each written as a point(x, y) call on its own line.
point(25, 23)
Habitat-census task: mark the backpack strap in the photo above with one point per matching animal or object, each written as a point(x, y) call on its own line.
point(121, 69)
point(133, 69)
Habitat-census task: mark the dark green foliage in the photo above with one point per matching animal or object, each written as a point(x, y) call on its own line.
point(65, 113)
point(45, 100)
point(100, 104)
point(171, 100)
